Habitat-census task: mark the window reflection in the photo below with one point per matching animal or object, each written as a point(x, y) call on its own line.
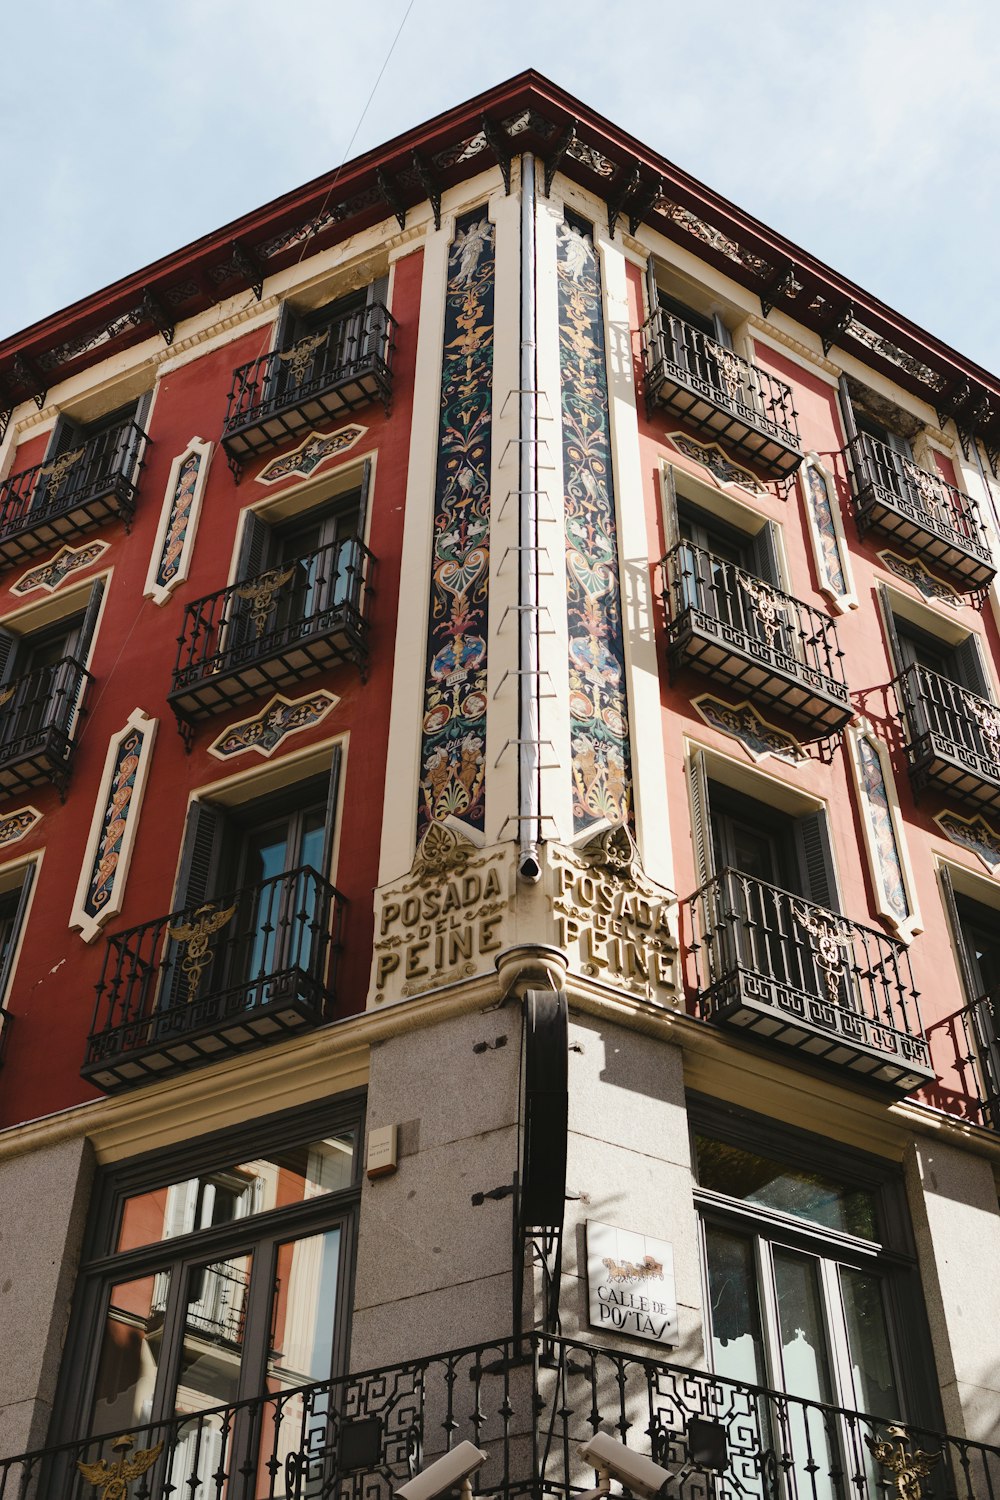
point(130, 1354)
point(771, 1184)
point(238, 1192)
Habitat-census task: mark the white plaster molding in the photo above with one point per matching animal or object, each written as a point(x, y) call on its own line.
point(160, 562)
point(831, 553)
point(100, 891)
point(906, 927)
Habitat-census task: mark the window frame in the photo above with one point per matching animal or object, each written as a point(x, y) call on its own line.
point(101, 1267)
point(894, 1254)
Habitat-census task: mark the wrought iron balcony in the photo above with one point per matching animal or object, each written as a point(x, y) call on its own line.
point(721, 395)
point(736, 629)
point(273, 629)
point(54, 502)
point(786, 971)
point(529, 1406)
point(38, 713)
point(204, 983)
point(921, 511)
point(284, 394)
point(966, 1046)
point(952, 738)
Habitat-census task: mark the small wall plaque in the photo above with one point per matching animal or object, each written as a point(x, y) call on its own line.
point(630, 1283)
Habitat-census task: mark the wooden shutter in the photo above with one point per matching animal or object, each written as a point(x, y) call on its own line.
point(330, 820)
point(671, 521)
point(65, 435)
point(7, 967)
point(285, 327)
point(896, 651)
point(847, 409)
point(79, 645)
point(200, 869)
point(701, 821)
point(722, 334)
point(970, 671)
point(764, 556)
point(964, 960)
point(378, 291)
point(9, 644)
point(815, 854)
point(255, 546)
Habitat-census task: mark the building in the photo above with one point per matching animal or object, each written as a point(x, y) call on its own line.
point(498, 703)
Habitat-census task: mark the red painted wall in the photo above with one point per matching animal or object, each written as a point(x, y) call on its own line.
point(52, 996)
point(869, 671)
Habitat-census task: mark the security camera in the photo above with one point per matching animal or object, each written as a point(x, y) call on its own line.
point(636, 1472)
point(451, 1472)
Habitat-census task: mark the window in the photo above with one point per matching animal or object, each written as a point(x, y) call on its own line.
point(717, 564)
point(43, 678)
point(811, 1289)
point(311, 565)
point(85, 458)
point(15, 893)
point(217, 1277)
point(976, 932)
point(319, 345)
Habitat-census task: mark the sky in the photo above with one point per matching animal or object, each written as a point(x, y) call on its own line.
point(865, 132)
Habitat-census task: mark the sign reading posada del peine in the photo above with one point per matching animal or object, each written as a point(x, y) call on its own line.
point(612, 921)
point(443, 922)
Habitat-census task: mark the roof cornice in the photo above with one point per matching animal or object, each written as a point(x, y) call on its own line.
point(525, 113)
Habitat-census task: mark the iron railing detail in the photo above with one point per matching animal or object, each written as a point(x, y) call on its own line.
point(792, 972)
point(79, 488)
point(341, 366)
point(722, 619)
point(530, 1406)
point(274, 628)
point(920, 509)
point(721, 393)
point(966, 1046)
point(38, 714)
point(247, 967)
point(952, 736)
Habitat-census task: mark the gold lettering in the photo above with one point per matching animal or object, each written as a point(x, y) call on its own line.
point(386, 964)
point(453, 898)
point(390, 912)
point(491, 885)
point(414, 968)
point(471, 887)
point(488, 941)
point(459, 945)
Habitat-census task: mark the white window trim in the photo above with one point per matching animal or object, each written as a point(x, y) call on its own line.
point(161, 592)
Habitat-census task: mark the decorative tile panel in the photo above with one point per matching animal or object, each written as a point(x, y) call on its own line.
point(974, 834)
point(453, 743)
point(912, 571)
point(742, 722)
point(171, 559)
point(101, 888)
point(275, 722)
point(883, 828)
point(15, 825)
point(718, 463)
point(316, 449)
point(819, 493)
point(67, 560)
point(598, 703)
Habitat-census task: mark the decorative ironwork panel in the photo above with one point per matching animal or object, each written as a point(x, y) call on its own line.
point(453, 744)
point(101, 889)
point(599, 729)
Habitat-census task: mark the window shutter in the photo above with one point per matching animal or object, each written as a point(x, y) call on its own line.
point(330, 820)
point(7, 967)
point(255, 546)
point(285, 327)
point(971, 672)
point(9, 643)
point(671, 521)
point(899, 444)
point(80, 647)
point(378, 291)
point(764, 556)
point(847, 410)
point(812, 841)
point(896, 651)
point(201, 858)
point(65, 435)
point(701, 827)
point(964, 960)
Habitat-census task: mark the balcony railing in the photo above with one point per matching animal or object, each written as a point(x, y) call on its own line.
point(54, 502)
point(787, 971)
point(920, 510)
point(736, 629)
point(273, 629)
point(38, 713)
point(529, 1406)
point(952, 738)
point(966, 1047)
point(206, 982)
point(717, 393)
point(338, 368)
